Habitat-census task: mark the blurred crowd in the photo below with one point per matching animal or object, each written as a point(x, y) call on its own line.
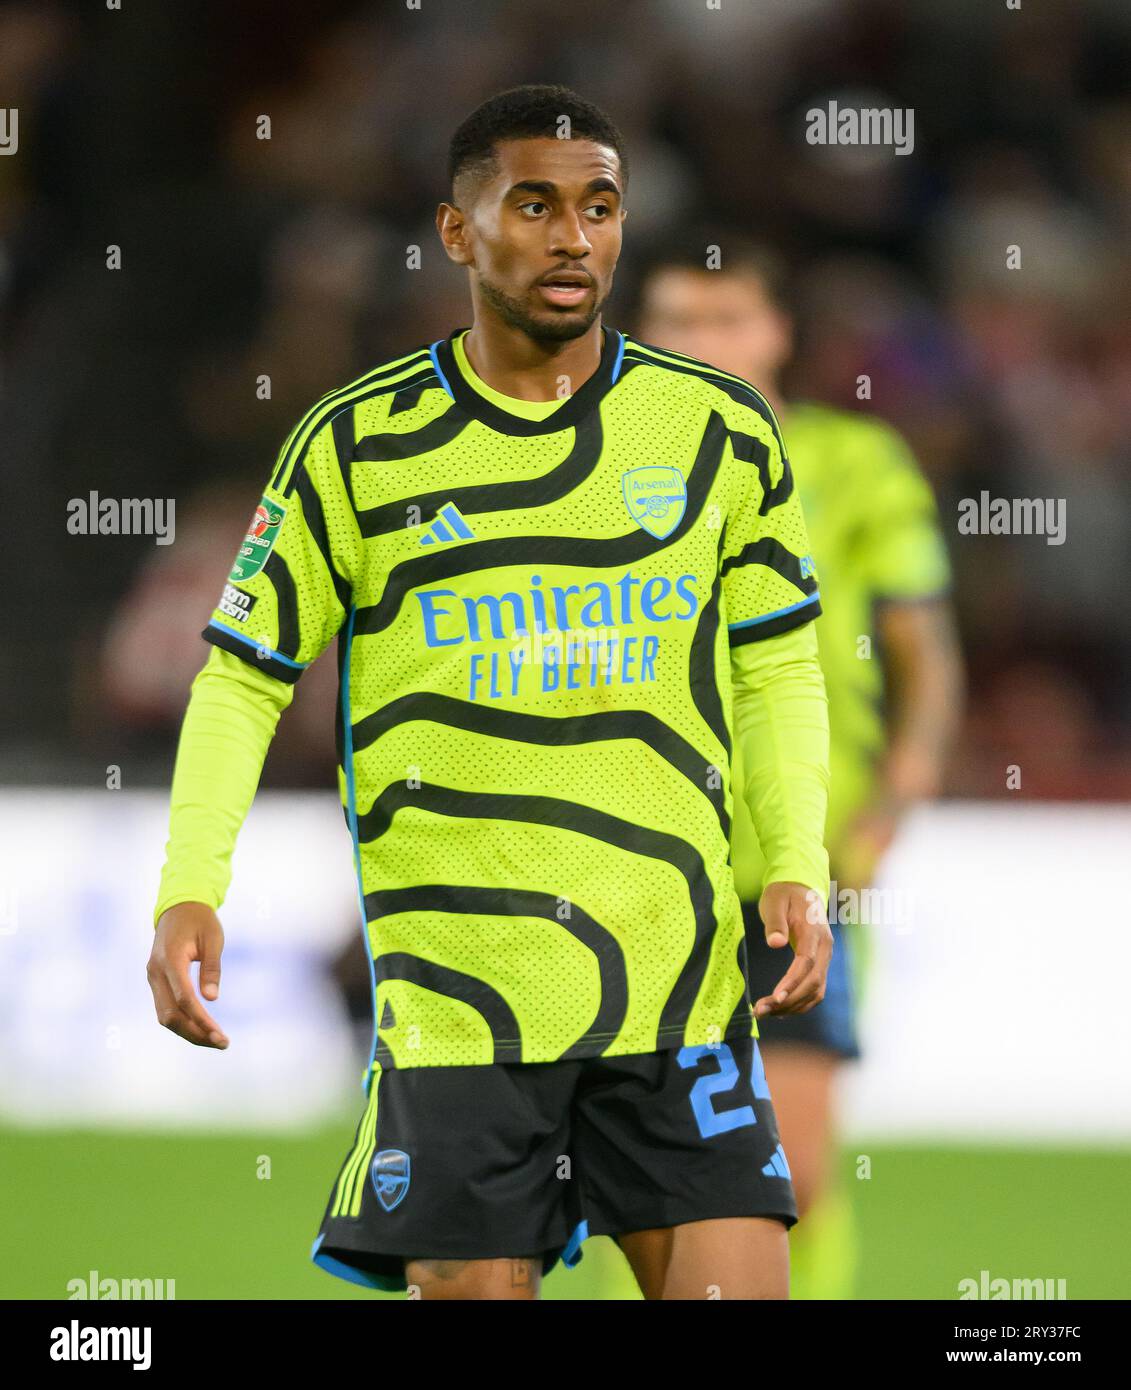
point(245, 258)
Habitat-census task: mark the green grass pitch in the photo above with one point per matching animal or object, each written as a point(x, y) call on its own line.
point(192, 1208)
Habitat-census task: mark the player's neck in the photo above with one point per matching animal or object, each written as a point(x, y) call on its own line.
point(513, 363)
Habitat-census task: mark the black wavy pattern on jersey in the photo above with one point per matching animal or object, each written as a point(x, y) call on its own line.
point(742, 1008)
point(771, 553)
point(552, 730)
point(395, 448)
point(583, 820)
point(408, 397)
point(742, 392)
point(342, 423)
point(315, 520)
point(379, 380)
point(750, 449)
point(517, 902)
point(518, 495)
point(283, 582)
point(701, 670)
point(341, 430)
point(441, 979)
point(597, 553)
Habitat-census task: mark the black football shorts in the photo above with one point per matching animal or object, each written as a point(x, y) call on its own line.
point(528, 1159)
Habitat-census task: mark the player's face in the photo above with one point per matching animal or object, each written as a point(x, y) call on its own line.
point(544, 235)
point(725, 319)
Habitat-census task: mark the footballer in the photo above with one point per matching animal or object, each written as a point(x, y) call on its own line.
point(568, 575)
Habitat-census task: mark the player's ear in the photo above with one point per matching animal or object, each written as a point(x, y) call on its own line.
point(451, 225)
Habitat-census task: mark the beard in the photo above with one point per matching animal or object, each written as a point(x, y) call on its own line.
point(551, 327)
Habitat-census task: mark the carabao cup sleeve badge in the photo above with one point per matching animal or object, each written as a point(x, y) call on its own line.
point(656, 497)
point(262, 533)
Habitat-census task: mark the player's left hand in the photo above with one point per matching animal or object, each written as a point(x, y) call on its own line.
point(794, 915)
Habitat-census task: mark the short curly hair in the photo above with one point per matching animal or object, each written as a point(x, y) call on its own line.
point(528, 113)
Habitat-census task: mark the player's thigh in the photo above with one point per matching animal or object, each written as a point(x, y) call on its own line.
point(515, 1278)
point(727, 1258)
point(648, 1254)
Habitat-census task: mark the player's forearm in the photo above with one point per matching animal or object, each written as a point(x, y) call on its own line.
point(781, 719)
point(925, 695)
point(231, 718)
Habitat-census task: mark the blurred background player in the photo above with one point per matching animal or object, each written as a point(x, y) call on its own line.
point(892, 665)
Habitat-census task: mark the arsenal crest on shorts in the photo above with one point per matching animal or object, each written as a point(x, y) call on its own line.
point(391, 1173)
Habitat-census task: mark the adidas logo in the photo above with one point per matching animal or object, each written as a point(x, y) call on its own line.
point(448, 526)
point(777, 1166)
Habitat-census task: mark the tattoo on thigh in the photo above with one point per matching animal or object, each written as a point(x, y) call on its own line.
point(443, 1269)
point(523, 1271)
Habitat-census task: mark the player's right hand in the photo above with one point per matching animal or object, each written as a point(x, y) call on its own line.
point(187, 932)
point(794, 915)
